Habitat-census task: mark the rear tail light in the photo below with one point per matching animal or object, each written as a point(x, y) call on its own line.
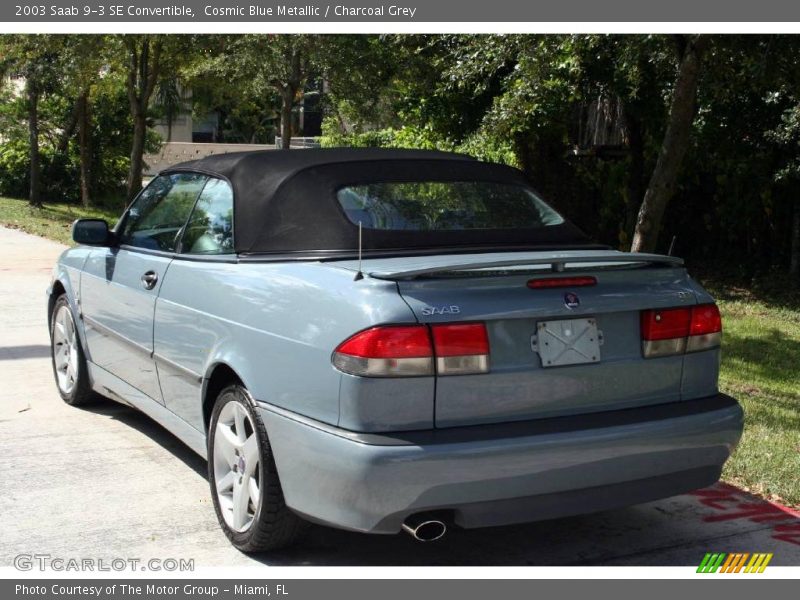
point(461, 348)
point(415, 351)
point(678, 330)
point(664, 331)
point(395, 351)
point(705, 330)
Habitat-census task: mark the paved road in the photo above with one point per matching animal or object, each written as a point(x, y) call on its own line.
point(105, 482)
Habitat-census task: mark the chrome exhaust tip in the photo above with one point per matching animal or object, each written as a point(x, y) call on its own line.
point(424, 528)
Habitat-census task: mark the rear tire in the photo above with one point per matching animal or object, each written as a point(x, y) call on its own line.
point(248, 498)
point(66, 354)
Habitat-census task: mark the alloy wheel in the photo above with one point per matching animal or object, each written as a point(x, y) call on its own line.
point(236, 472)
point(65, 350)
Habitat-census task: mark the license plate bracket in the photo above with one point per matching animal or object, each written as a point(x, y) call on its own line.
point(567, 342)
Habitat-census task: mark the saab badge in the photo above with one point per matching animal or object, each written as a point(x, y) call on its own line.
point(571, 300)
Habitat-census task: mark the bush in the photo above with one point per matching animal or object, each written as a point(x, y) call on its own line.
point(421, 138)
point(14, 169)
point(60, 172)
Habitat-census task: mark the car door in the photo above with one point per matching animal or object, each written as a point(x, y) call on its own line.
point(186, 325)
point(120, 284)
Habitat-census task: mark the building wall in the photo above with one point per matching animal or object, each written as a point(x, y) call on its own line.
point(181, 129)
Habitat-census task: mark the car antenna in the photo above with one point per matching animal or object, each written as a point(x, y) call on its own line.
point(672, 245)
point(359, 275)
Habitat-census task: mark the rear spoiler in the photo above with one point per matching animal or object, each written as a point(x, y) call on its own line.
point(557, 262)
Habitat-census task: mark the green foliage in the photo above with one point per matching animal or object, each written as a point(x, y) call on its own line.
point(249, 79)
point(60, 166)
point(58, 172)
point(479, 145)
point(531, 101)
point(528, 100)
point(14, 169)
point(403, 137)
point(36, 58)
point(486, 147)
point(87, 64)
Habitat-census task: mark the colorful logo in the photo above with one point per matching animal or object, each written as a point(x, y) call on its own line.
point(714, 562)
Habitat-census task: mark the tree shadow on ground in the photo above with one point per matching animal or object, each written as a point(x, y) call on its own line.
point(772, 354)
point(773, 291)
point(24, 352)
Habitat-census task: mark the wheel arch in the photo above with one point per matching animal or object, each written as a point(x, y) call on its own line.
point(218, 376)
point(62, 285)
point(56, 290)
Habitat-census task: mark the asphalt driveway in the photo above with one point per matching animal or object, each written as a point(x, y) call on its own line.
point(105, 482)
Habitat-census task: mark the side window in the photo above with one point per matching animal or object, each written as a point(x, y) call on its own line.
point(210, 228)
point(160, 212)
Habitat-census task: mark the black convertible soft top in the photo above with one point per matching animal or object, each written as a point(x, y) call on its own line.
point(285, 201)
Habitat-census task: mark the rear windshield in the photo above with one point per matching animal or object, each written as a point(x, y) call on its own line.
point(445, 206)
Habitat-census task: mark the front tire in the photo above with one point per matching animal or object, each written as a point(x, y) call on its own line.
point(245, 487)
point(69, 363)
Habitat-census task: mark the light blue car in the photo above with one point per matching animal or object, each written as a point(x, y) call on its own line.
point(386, 340)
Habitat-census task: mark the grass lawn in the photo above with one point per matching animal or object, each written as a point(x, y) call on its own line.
point(53, 221)
point(761, 368)
point(760, 360)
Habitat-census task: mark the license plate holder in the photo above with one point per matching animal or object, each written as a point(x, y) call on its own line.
point(567, 342)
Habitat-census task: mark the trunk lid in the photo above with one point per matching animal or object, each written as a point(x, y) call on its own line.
point(529, 328)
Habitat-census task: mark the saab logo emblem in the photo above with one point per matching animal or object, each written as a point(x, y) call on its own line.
point(734, 563)
point(571, 300)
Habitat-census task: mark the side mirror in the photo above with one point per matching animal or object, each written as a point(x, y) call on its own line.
point(92, 232)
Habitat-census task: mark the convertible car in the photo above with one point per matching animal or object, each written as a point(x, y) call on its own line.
point(387, 340)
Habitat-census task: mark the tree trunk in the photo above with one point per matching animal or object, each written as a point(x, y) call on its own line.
point(137, 155)
point(219, 133)
point(522, 152)
point(287, 101)
point(635, 178)
point(794, 262)
point(34, 195)
point(144, 67)
point(673, 147)
point(69, 129)
point(84, 147)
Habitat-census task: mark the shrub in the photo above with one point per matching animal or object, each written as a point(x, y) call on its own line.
point(14, 169)
point(60, 172)
point(479, 145)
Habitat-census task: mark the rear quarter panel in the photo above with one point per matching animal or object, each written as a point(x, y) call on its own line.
point(274, 324)
point(701, 369)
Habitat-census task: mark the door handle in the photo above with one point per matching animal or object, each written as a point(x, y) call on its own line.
point(149, 280)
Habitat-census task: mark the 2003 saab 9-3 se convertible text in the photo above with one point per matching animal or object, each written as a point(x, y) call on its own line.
point(382, 340)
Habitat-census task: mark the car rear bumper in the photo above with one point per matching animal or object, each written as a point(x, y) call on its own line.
point(501, 474)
